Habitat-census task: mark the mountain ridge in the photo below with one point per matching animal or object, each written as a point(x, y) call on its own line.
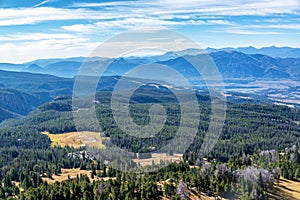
point(272, 51)
point(227, 60)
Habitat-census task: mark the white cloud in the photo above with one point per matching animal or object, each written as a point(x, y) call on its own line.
point(225, 7)
point(251, 32)
point(117, 3)
point(36, 36)
point(135, 22)
point(162, 9)
point(23, 16)
point(82, 28)
point(228, 7)
point(20, 48)
point(90, 18)
point(42, 3)
point(276, 26)
point(129, 23)
point(220, 22)
point(276, 20)
point(25, 52)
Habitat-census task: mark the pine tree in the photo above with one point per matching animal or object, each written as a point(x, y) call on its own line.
point(259, 188)
point(182, 190)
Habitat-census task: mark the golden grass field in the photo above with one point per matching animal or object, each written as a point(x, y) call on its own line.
point(157, 157)
point(286, 190)
point(72, 173)
point(76, 139)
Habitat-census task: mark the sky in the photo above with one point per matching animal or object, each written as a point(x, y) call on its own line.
point(39, 29)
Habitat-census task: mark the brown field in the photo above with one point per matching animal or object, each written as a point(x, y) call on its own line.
point(157, 157)
point(286, 190)
point(76, 139)
point(73, 174)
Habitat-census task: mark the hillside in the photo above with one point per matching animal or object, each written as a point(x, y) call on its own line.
point(21, 92)
point(20, 102)
point(16, 103)
point(250, 133)
point(36, 83)
point(240, 134)
point(4, 114)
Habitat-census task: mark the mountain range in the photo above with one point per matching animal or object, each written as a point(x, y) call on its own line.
point(273, 51)
point(232, 63)
point(22, 92)
point(23, 87)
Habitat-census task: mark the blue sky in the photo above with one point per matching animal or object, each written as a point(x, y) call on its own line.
point(35, 29)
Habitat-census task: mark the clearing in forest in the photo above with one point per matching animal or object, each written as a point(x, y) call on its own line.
point(156, 158)
point(76, 139)
point(72, 174)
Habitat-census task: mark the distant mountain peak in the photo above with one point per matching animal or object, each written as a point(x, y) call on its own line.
point(273, 51)
point(33, 66)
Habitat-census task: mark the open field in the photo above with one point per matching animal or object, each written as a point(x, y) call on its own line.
point(157, 157)
point(76, 139)
point(286, 190)
point(72, 173)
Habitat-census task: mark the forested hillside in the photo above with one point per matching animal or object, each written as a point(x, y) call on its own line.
point(20, 93)
point(241, 164)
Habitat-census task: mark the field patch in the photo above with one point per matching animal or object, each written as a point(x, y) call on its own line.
point(286, 190)
point(157, 157)
point(76, 139)
point(72, 174)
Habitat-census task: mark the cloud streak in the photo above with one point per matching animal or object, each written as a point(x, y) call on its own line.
point(251, 32)
point(36, 36)
point(42, 3)
point(154, 9)
point(29, 51)
point(26, 16)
